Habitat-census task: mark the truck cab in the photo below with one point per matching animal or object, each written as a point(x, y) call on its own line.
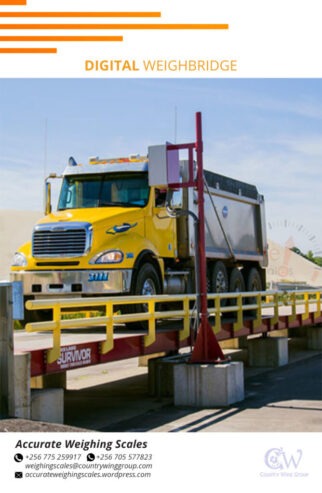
point(110, 234)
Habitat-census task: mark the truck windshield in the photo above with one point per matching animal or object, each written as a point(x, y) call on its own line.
point(108, 190)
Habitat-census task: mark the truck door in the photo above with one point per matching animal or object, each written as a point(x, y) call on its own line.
point(160, 227)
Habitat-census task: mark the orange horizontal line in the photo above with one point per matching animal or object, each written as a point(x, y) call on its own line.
point(28, 50)
point(13, 2)
point(61, 38)
point(80, 14)
point(113, 26)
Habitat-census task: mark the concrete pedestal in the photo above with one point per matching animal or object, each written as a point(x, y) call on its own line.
point(22, 385)
point(314, 338)
point(268, 351)
point(208, 385)
point(160, 377)
point(41, 405)
point(48, 405)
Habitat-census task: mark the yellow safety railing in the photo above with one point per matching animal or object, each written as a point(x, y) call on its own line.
point(271, 304)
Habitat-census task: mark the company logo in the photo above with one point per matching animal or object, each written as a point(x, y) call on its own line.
point(71, 357)
point(225, 211)
point(282, 463)
point(277, 459)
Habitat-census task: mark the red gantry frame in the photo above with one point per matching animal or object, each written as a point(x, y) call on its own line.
point(206, 347)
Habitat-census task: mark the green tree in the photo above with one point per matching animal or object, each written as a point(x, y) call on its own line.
point(309, 256)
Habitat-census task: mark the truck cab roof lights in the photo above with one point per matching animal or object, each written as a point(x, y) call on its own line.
point(133, 158)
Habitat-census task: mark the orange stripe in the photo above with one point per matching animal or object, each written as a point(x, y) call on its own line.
point(113, 26)
point(13, 2)
point(61, 38)
point(80, 14)
point(28, 50)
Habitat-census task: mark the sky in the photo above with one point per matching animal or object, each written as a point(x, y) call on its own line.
point(267, 132)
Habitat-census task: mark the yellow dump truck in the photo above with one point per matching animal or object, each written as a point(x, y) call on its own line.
point(112, 234)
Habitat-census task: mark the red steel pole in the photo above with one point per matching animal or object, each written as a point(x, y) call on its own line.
point(206, 348)
point(201, 233)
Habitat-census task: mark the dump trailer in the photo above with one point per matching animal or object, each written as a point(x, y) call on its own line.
point(114, 234)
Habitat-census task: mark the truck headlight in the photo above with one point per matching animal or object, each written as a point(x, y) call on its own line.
point(108, 257)
point(19, 260)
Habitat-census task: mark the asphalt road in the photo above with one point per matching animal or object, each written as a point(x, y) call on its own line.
point(287, 399)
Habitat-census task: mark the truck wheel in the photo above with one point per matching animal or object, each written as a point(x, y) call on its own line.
point(254, 283)
point(219, 280)
point(237, 283)
point(146, 283)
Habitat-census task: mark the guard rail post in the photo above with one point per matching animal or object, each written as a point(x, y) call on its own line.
point(6, 351)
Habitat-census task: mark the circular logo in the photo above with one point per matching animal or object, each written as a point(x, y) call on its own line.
point(225, 211)
point(273, 458)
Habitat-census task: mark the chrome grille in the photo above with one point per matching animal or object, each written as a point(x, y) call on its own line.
point(70, 240)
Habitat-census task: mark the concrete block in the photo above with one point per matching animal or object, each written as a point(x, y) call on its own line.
point(47, 405)
point(314, 338)
point(268, 351)
point(22, 385)
point(208, 385)
point(160, 375)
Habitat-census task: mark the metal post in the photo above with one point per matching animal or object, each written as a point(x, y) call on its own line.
point(6, 351)
point(206, 347)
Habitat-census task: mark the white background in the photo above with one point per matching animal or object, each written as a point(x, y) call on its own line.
point(269, 39)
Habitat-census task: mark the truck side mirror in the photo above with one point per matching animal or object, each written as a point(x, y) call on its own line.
point(174, 199)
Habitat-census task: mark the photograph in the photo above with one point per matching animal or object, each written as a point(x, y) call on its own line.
point(161, 268)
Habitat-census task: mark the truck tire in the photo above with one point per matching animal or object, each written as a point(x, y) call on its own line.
point(146, 283)
point(219, 280)
point(254, 283)
point(236, 282)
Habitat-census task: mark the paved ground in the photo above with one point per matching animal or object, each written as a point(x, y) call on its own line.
point(284, 399)
point(289, 399)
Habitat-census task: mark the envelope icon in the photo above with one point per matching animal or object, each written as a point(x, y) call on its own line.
point(18, 475)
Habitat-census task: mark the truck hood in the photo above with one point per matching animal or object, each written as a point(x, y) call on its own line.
point(103, 221)
point(97, 217)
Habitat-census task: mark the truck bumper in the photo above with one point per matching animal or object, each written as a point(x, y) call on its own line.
point(95, 282)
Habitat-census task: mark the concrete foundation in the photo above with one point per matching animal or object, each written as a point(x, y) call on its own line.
point(208, 385)
point(160, 376)
point(268, 351)
point(41, 405)
point(22, 386)
point(48, 405)
point(314, 338)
